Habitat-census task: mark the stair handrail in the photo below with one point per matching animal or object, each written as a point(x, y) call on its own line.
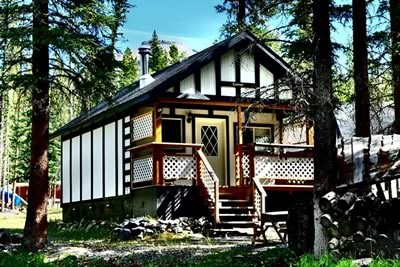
point(259, 196)
point(212, 185)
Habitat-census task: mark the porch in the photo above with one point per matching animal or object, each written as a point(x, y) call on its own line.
point(259, 168)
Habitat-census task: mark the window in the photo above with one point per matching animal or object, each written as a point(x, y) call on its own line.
point(254, 133)
point(172, 130)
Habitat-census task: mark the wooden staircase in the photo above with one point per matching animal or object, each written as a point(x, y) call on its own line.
point(236, 212)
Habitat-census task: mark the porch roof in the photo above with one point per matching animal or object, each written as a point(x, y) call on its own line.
point(164, 79)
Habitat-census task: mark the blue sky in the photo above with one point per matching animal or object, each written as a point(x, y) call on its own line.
point(194, 22)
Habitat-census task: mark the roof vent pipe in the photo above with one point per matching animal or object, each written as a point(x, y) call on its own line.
point(144, 52)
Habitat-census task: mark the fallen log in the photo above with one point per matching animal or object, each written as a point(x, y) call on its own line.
point(328, 201)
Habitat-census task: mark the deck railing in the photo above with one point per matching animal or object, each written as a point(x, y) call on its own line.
point(164, 163)
point(170, 163)
point(271, 162)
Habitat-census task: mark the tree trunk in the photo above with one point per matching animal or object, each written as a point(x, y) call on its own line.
point(300, 222)
point(35, 232)
point(241, 14)
point(395, 36)
point(324, 127)
point(360, 58)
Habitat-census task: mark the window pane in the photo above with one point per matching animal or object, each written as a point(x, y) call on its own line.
point(172, 130)
point(209, 138)
point(262, 135)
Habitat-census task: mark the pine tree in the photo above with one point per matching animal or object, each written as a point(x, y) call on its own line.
point(324, 119)
point(59, 41)
point(158, 58)
point(174, 55)
point(129, 69)
point(362, 101)
point(395, 38)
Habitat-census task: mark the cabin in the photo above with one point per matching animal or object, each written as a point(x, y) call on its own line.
point(203, 137)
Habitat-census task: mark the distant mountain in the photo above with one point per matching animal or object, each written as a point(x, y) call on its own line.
point(165, 44)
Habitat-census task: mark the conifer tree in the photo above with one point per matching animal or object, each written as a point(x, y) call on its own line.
point(158, 58)
point(57, 41)
point(129, 69)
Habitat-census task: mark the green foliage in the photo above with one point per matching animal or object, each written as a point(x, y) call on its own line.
point(325, 261)
point(173, 53)
point(129, 69)
point(19, 150)
point(158, 59)
point(21, 258)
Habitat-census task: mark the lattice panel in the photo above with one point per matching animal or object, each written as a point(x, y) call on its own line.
point(285, 168)
point(143, 170)
point(179, 167)
point(208, 182)
point(142, 126)
point(246, 166)
point(257, 202)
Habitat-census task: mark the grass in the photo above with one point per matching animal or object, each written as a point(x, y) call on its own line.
point(238, 257)
point(102, 234)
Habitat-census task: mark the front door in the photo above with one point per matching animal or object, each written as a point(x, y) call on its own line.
point(211, 132)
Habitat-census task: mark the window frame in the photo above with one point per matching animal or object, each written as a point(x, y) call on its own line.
point(253, 125)
point(180, 118)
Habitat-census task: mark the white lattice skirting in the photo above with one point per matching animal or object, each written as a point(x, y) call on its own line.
point(176, 167)
point(143, 170)
point(284, 168)
point(142, 126)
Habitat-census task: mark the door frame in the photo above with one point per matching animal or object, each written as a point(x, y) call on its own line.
point(227, 135)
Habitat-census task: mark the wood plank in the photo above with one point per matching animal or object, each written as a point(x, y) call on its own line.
point(215, 103)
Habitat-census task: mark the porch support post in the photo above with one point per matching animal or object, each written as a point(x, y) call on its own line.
point(240, 142)
point(280, 118)
point(157, 130)
point(158, 157)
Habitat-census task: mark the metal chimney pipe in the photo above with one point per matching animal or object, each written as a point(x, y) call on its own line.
point(144, 52)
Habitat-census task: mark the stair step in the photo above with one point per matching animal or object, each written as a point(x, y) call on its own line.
point(236, 208)
point(237, 222)
point(233, 200)
point(235, 215)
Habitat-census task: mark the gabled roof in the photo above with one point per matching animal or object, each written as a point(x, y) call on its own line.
point(164, 79)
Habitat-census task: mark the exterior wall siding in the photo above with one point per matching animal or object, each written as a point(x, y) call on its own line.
point(93, 164)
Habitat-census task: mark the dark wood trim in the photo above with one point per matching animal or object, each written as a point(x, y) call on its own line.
point(128, 172)
point(80, 168)
point(62, 173)
point(217, 66)
point(257, 75)
point(91, 164)
point(116, 157)
point(126, 160)
point(227, 148)
point(177, 87)
point(238, 84)
point(103, 160)
point(223, 104)
point(70, 170)
point(172, 111)
point(197, 81)
point(237, 73)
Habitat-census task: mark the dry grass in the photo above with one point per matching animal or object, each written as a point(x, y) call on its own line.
point(15, 221)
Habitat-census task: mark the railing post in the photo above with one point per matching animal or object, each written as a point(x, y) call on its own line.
point(161, 155)
point(252, 162)
point(216, 205)
point(198, 167)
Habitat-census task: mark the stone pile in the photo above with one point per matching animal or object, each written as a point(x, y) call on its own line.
point(8, 239)
point(138, 228)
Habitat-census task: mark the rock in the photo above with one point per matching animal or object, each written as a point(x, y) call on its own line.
point(2, 247)
point(178, 230)
point(135, 232)
point(196, 237)
point(149, 231)
point(124, 234)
